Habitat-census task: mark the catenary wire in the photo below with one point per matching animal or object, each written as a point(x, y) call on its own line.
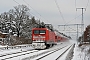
point(60, 11)
point(39, 14)
point(87, 4)
point(36, 11)
point(62, 14)
point(16, 2)
point(29, 10)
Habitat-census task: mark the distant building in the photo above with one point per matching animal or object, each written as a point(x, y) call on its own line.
point(3, 36)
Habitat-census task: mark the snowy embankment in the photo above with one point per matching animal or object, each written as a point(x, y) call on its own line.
point(79, 53)
point(14, 49)
point(82, 52)
point(70, 53)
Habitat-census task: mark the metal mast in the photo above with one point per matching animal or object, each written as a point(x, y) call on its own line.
point(82, 22)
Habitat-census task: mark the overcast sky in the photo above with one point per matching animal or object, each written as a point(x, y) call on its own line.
point(56, 12)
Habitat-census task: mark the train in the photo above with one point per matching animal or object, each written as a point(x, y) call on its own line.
point(44, 38)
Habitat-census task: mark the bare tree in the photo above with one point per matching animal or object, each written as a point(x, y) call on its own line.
point(21, 13)
point(18, 20)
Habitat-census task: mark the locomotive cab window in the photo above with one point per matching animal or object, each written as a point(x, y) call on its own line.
point(42, 31)
point(0, 39)
point(36, 31)
point(39, 31)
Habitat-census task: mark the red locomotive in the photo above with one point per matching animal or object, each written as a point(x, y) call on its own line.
point(44, 38)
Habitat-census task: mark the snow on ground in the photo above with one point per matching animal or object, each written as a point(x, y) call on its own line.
point(8, 51)
point(81, 53)
point(3, 46)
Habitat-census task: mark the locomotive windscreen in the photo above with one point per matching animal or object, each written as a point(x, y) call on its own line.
point(39, 31)
point(0, 39)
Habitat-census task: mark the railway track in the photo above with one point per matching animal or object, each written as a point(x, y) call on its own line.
point(54, 55)
point(64, 52)
point(15, 47)
point(47, 54)
point(33, 54)
point(2, 55)
point(16, 54)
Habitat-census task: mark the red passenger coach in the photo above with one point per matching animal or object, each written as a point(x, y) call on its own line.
point(42, 38)
point(58, 38)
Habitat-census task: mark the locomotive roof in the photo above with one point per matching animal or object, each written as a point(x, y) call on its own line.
point(40, 28)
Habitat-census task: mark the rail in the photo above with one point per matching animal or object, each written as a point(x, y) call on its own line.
point(14, 47)
point(43, 54)
point(16, 54)
point(35, 54)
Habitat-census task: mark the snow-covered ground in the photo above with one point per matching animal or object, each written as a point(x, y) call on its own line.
point(80, 53)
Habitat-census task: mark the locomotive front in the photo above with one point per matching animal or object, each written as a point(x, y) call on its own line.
point(39, 38)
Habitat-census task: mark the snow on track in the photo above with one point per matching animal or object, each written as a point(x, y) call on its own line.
point(55, 55)
point(46, 52)
point(26, 54)
point(12, 55)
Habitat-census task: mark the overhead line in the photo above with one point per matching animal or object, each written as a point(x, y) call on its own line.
point(16, 2)
point(87, 4)
point(28, 5)
point(80, 14)
point(35, 11)
point(31, 7)
point(60, 11)
point(74, 18)
point(75, 11)
point(75, 4)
